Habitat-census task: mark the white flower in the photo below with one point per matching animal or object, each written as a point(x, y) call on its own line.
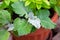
point(34, 20)
point(10, 27)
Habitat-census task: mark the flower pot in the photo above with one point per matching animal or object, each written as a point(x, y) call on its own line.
point(39, 34)
point(55, 17)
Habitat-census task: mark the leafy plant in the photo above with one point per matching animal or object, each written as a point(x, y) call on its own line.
point(44, 17)
point(5, 17)
point(4, 35)
point(22, 25)
point(38, 3)
point(24, 16)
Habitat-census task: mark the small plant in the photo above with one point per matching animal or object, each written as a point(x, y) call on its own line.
point(25, 16)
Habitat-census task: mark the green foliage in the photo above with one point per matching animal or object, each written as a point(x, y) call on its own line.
point(45, 20)
point(38, 3)
point(19, 9)
point(57, 9)
point(4, 4)
point(58, 3)
point(13, 0)
point(53, 2)
point(7, 2)
point(5, 17)
point(22, 26)
point(4, 35)
point(12, 8)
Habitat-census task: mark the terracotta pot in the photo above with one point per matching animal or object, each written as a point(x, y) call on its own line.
point(55, 17)
point(39, 34)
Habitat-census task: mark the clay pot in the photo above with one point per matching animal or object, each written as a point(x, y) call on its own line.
point(39, 34)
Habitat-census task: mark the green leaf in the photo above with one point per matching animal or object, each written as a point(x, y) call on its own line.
point(5, 17)
point(27, 3)
point(14, 0)
point(58, 3)
point(19, 8)
point(22, 26)
point(7, 2)
point(32, 5)
point(53, 2)
point(57, 9)
point(4, 4)
point(46, 4)
point(38, 6)
point(43, 11)
point(45, 20)
point(4, 35)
